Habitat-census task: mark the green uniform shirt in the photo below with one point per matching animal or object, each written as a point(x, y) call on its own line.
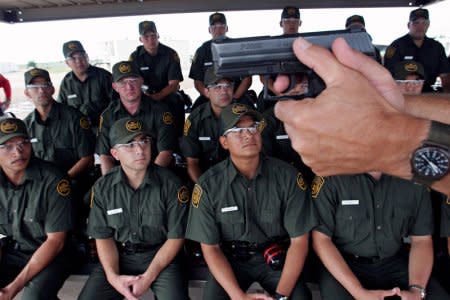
point(153, 213)
point(40, 205)
point(228, 207)
point(367, 217)
point(201, 137)
point(63, 138)
point(155, 115)
point(90, 96)
point(445, 218)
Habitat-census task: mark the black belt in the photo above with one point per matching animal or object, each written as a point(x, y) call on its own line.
point(130, 248)
point(362, 259)
point(12, 245)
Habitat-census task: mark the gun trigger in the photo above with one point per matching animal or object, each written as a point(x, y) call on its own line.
point(292, 81)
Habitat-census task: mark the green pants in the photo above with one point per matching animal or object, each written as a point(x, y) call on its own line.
point(384, 274)
point(45, 285)
point(169, 285)
point(254, 270)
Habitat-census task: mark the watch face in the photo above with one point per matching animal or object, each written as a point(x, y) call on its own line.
point(430, 162)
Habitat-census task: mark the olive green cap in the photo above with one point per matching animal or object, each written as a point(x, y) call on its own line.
point(10, 128)
point(125, 130)
point(72, 46)
point(35, 72)
point(124, 69)
point(232, 113)
point(408, 67)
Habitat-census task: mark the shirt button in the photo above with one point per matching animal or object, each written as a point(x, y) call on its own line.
point(134, 233)
point(378, 206)
point(379, 227)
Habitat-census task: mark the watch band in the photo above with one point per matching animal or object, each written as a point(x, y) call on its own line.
point(422, 290)
point(279, 296)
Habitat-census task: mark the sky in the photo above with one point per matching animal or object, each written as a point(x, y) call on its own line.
point(42, 41)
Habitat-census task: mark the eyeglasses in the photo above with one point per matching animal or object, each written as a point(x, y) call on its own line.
point(11, 147)
point(221, 86)
point(134, 144)
point(43, 86)
point(241, 130)
point(72, 58)
point(130, 81)
point(218, 26)
point(410, 82)
point(290, 20)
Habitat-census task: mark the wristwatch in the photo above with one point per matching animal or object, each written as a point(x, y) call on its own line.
point(278, 296)
point(431, 161)
point(423, 292)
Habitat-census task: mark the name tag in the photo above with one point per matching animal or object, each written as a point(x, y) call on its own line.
point(408, 58)
point(350, 202)
point(282, 137)
point(114, 211)
point(208, 63)
point(204, 138)
point(72, 96)
point(145, 68)
point(228, 209)
point(34, 140)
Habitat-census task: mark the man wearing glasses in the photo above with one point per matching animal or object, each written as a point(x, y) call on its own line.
point(418, 47)
point(409, 76)
point(200, 143)
point(127, 82)
point(86, 87)
point(35, 215)
point(203, 60)
point(252, 215)
point(138, 218)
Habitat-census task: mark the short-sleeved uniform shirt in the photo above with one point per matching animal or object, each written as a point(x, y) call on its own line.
point(201, 137)
point(90, 96)
point(159, 69)
point(202, 61)
point(154, 114)
point(64, 138)
point(368, 218)
point(445, 218)
point(228, 207)
point(40, 205)
point(151, 214)
point(431, 55)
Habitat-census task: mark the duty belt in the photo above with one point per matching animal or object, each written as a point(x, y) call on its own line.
point(131, 248)
point(365, 259)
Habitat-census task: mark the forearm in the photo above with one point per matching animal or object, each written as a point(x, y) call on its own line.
point(335, 263)
point(106, 163)
point(172, 87)
point(193, 169)
point(163, 258)
point(164, 158)
point(429, 106)
point(420, 260)
point(108, 256)
point(293, 266)
point(221, 270)
point(200, 87)
point(81, 166)
point(243, 87)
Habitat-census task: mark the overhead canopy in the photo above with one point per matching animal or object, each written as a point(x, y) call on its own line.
point(14, 11)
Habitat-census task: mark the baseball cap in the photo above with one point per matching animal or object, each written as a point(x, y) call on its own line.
point(232, 113)
point(10, 128)
point(354, 19)
point(217, 18)
point(408, 67)
point(124, 69)
point(35, 72)
point(419, 13)
point(126, 129)
point(211, 77)
point(145, 26)
point(290, 12)
point(72, 46)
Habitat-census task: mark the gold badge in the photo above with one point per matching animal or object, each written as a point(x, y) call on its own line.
point(301, 182)
point(196, 195)
point(85, 123)
point(125, 68)
point(448, 200)
point(133, 125)
point(167, 118)
point(411, 67)
point(63, 187)
point(183, 194)
point(262, 125)
point(291, 11)
point(8, 127)
point(35, 72)
point(238, 109)
point(316, 186)
point(72, 46)
point(187, 125)
point(390, 51)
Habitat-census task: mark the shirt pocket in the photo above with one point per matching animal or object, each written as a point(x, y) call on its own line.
point(116, 221)
point(34, 222)
point(74, 100)
point(5, 226)
point(271, 222)
point(153, 229)
point(351, 222)
point(232, 225)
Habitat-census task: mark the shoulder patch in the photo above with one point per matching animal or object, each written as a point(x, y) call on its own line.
point(183, 194)
point(63, 187)
point(196, 195)
point(390, 51)
point(85, 123)
point(262, 125)
point(91, 200)
point(316, 185)
point(187, 126)
point(167, 118)
point(100, 123)
point(448, 200)
point(301, 182)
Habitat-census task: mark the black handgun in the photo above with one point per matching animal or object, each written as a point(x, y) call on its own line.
point(272, 55)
